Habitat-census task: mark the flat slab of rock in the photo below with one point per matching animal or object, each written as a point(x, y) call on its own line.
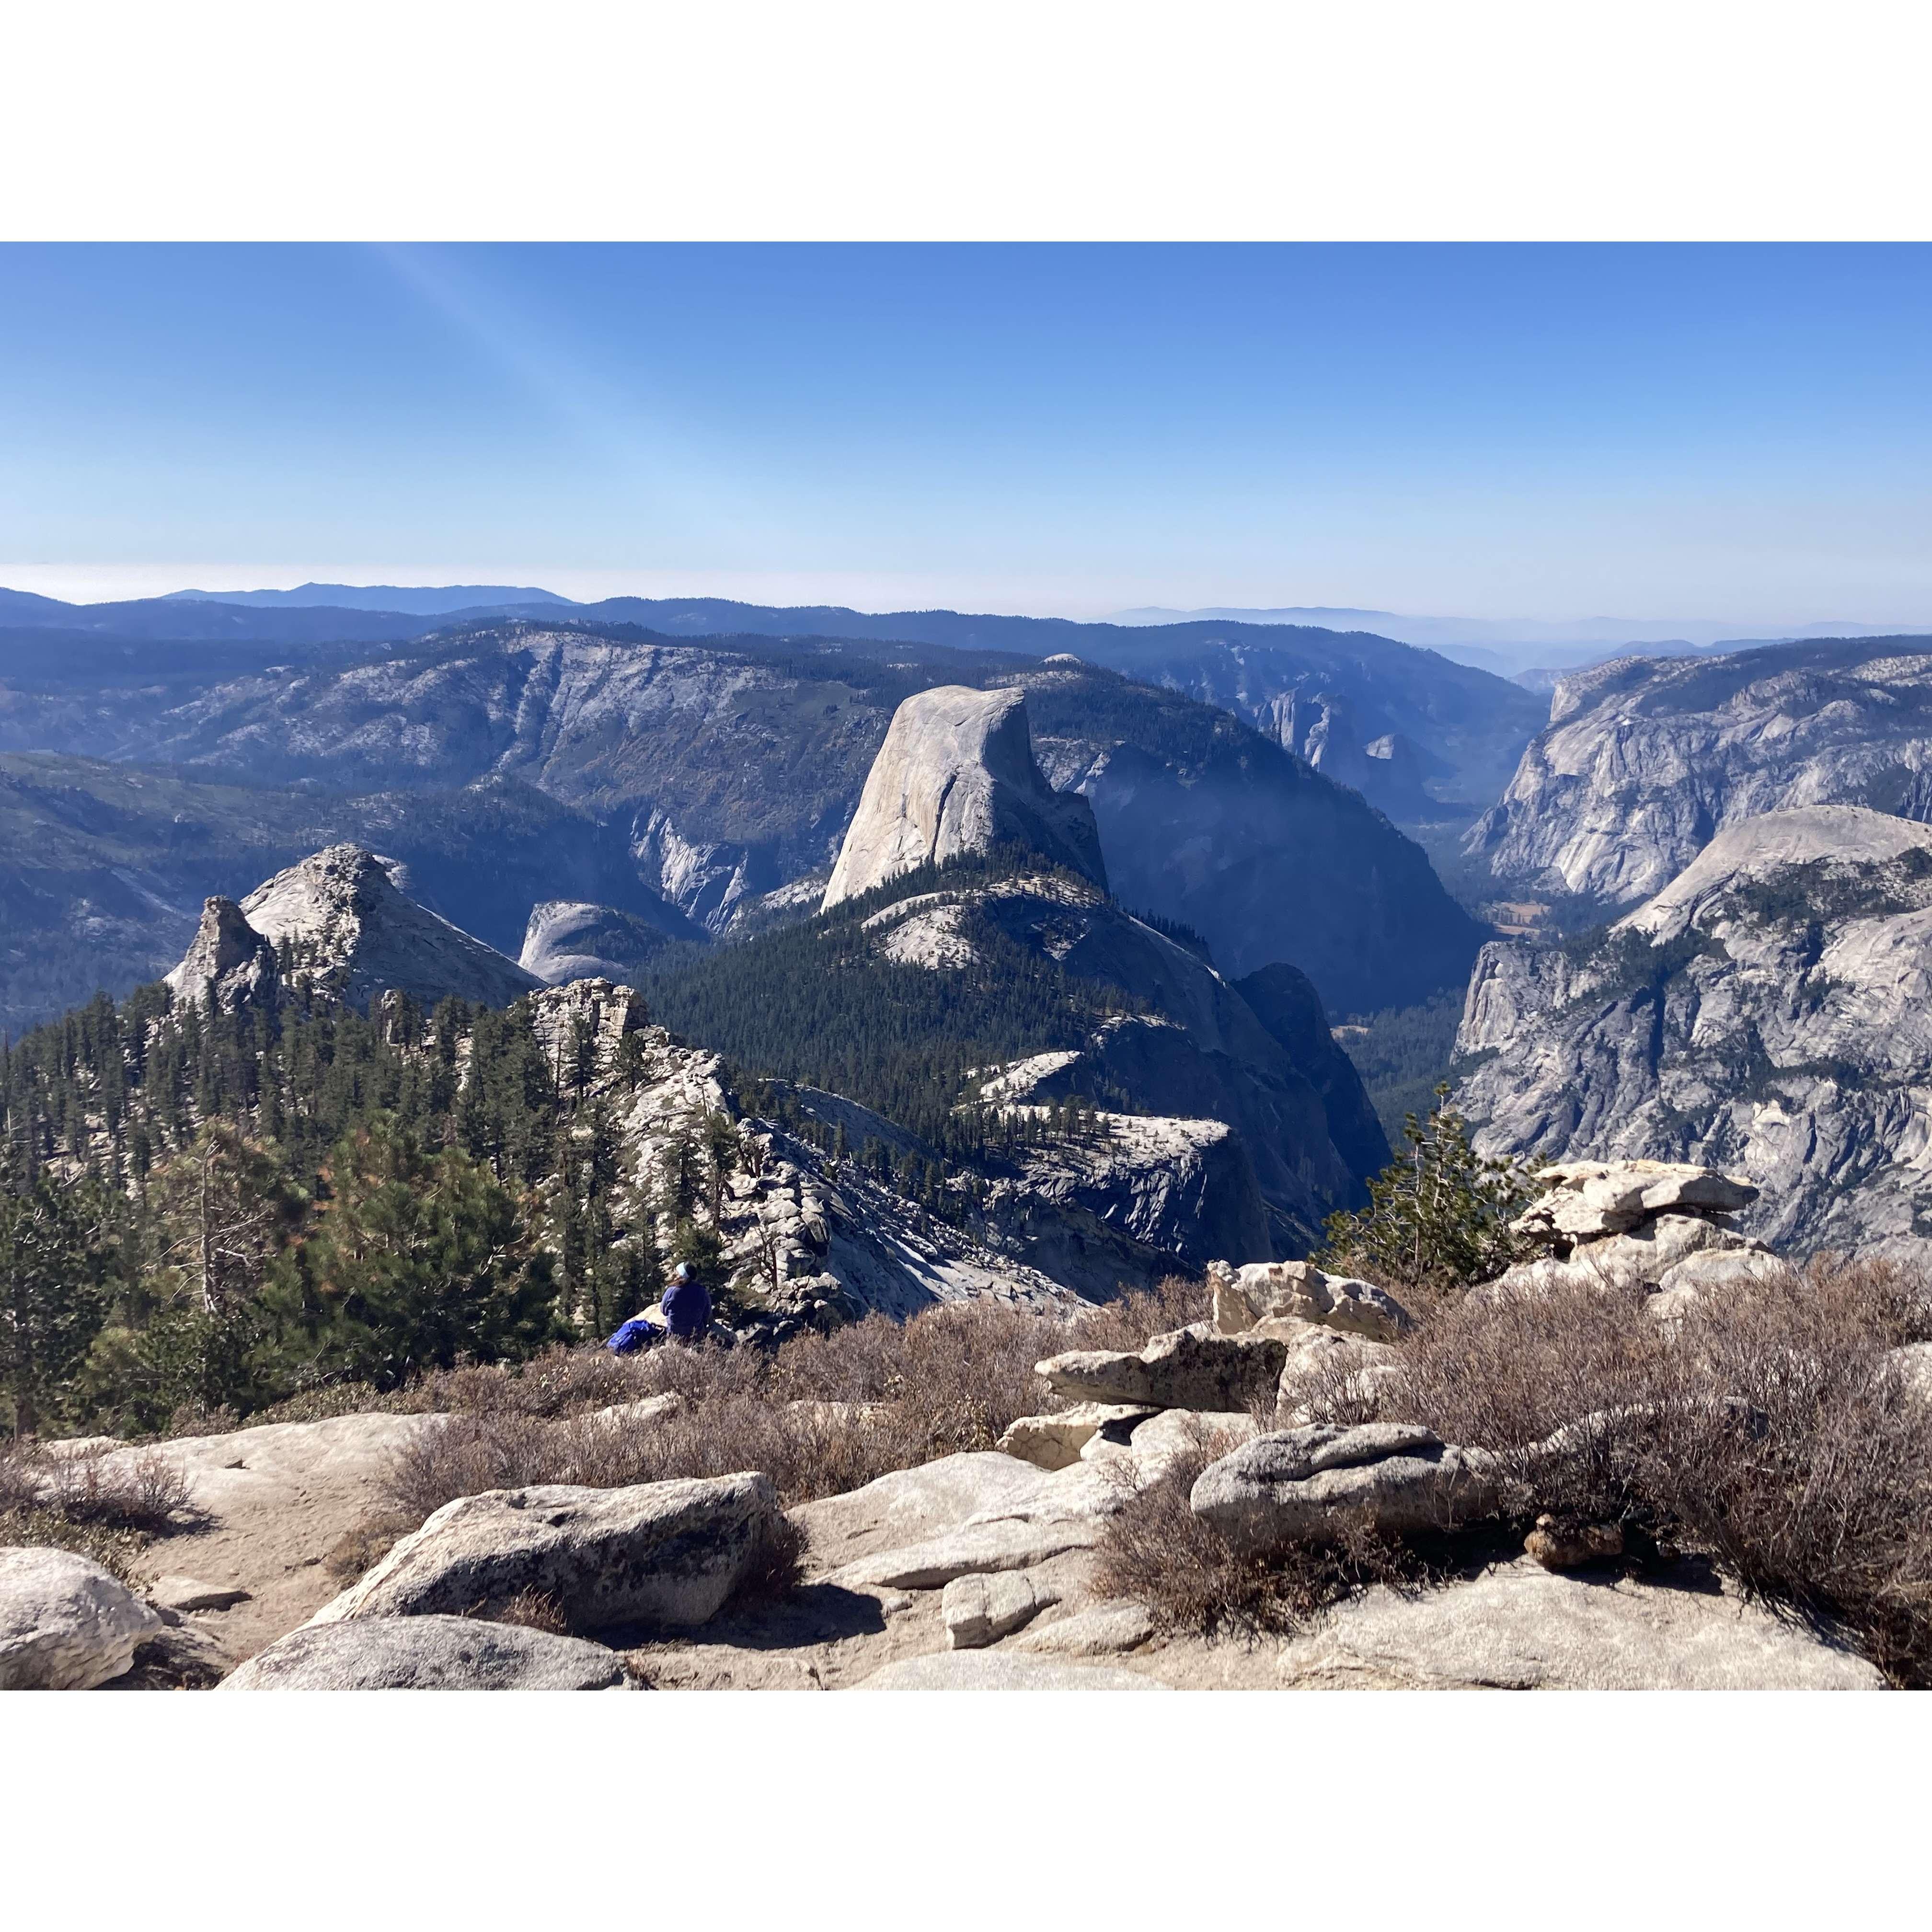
point(430, 1653)
point(190, 1593)
point(1000, 1670)
point(1293, 1485)
point(1056, 1442)
point(667, 1554)
point(1522, 1628)
point(1192, 1368)
point(980, 1609)
point(1104, 1631)
point(1007, 1543)
point(913, 1505)
point(65, 1623)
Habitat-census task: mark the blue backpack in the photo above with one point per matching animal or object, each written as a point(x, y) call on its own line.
point(635, 1334)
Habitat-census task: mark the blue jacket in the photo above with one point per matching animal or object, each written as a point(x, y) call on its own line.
point(687, 1309)
point(635, 1334)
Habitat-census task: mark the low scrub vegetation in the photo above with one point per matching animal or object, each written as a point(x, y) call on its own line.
point(1768, 1427)
point(109, 1512)
point(1197, 1582)
point(819, 1414)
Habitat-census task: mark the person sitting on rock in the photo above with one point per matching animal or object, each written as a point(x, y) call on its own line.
point(687, 1305)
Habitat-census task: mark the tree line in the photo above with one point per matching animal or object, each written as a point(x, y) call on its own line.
point(204, 1211)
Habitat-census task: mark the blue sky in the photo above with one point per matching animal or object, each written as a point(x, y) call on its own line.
point(1731, 432)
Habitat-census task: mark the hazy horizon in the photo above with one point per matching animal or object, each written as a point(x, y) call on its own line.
point(113, 584)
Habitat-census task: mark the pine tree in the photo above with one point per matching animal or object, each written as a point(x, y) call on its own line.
point(1438, 1215)
point(54, 1258)
point(420, 1260)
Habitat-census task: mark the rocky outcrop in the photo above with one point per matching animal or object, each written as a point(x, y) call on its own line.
point(227, 961)
point(347, 933)
point(1298, 1292)
point(570, 939)
point(956, 778)
point(665, 1554)
point(66, 1624)
point(428, 1653)
point(1645, 760)
point(1299, 1485)
point(1666, 1227)
point(1585, 1200)
point(1058, 1440)
point(1192, 1368)
point(1763, 1016)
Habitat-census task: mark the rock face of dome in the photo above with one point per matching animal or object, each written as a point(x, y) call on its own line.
point(956, 777)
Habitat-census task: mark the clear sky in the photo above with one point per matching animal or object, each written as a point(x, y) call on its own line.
point(1728, 432)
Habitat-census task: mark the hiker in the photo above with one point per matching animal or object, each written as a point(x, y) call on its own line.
point(687, 1306)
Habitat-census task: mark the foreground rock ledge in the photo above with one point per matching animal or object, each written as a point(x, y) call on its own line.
point(1000, 1670)
point(664, 1554)
point(1294, 1292)
point(1522, 1628)
point(428, 1654)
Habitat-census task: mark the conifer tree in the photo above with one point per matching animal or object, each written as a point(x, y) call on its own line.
point(1438, 1215)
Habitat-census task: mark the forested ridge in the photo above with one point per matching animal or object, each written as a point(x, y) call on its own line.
point(213, 1209)
point(205, 1211)
point(815, 1003)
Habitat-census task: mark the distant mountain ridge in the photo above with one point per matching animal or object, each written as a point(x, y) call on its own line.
point(413, 600)
point(1418, 734)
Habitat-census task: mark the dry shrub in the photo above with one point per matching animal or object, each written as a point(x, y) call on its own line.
point(20, 1465)
point(45, 1503)
point(1799, 1459)
point(352, 1556)
point(121, 1552)
point(534, 1610)
point(1196, 1583)
point(1335, 1386)
point(1763, 1427)
point(144, 1492)
point(1507, 1372)
point(1131, 1321)
point(777, 1567)
point(466, 1454)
